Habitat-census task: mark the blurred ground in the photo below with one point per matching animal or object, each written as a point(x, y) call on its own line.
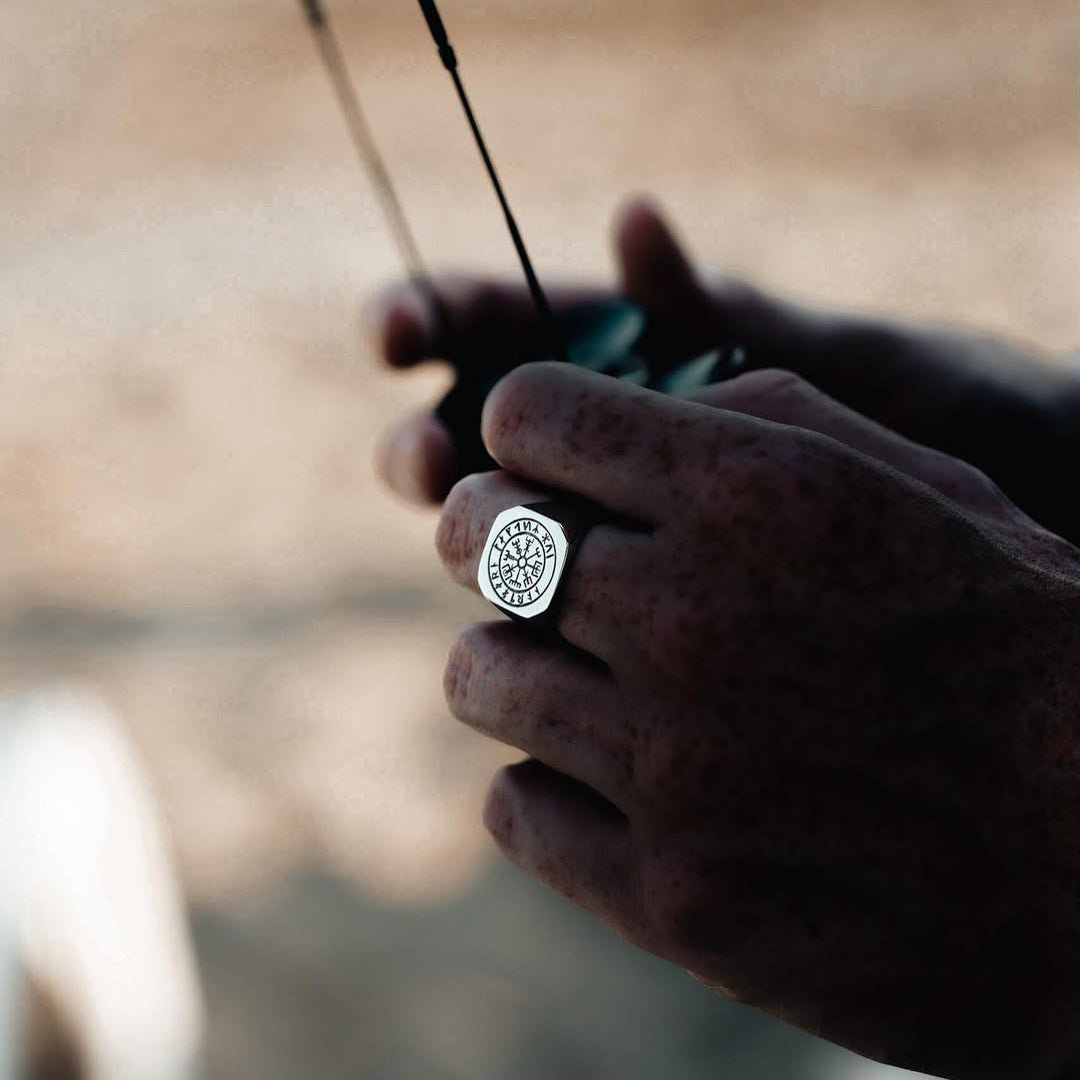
point(188, 517)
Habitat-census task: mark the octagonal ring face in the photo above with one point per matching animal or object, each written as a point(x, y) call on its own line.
point(523, 561)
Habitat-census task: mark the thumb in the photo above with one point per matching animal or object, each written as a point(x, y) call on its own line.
point(696, 313)
point(654, 270)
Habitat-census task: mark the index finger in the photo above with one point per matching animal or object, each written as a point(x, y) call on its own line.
point(634, 451)
point(458, 315)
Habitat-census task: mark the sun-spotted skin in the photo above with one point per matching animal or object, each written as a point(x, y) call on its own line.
point(831, 699)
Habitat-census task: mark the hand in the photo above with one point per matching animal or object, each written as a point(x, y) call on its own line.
point(1005, 410)
point(815, 737)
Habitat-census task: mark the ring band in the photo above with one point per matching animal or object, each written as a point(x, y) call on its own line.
point(526, 558)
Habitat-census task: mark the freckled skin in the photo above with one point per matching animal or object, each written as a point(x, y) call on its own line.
point(821, 717)
point(816, 734)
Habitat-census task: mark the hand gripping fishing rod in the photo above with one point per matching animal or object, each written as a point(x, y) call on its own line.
point(612, 337)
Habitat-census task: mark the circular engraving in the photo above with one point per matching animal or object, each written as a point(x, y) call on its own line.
point(521, 562)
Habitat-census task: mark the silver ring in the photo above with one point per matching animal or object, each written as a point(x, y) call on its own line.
point(528, 553)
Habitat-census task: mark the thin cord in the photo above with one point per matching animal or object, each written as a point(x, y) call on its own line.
point(536, 290)
point(365, 144)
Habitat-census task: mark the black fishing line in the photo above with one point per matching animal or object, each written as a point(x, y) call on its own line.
point(450, 62)
point(368, 151)
point(364, 141)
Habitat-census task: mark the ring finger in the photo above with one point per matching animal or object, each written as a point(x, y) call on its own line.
point(596, 609)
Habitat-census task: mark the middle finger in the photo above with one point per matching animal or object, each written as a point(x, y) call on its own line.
point(555, 705)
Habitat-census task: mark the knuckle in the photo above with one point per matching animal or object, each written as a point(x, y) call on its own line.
point(777, 391)
point(513, 406)
point(455, 537)
point(979, 481)
point(459, 673)
point(970, 484)
point(502, 810)
point(768, 380)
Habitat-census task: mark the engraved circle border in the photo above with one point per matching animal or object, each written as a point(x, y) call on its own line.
point(557, 533)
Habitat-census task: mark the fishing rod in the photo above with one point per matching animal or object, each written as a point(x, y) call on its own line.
point(607, 336)
point(363, 140)
point(368, 151)
point(449, 60)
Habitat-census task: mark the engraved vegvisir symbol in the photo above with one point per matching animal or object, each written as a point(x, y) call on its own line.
point(521, 562)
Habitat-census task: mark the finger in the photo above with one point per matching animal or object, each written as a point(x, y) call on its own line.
point(542, 699)
point(467, 517)
point(631, 450)
point(782, 397)
point(770, 328)
point(861, 360)
point(698, 313)
point(404, 320)
point(598, 608)
point(417, 459)
point(461, 316)
point(568, 837)
point(655, 271)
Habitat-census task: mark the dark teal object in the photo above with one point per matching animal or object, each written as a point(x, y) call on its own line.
point(609, 337)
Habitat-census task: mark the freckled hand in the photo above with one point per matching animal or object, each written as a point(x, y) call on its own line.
point(704, 822)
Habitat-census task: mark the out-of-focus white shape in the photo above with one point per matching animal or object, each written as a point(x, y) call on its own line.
point(92, 897)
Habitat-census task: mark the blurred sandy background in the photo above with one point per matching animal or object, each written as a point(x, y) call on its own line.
point(188, 516)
